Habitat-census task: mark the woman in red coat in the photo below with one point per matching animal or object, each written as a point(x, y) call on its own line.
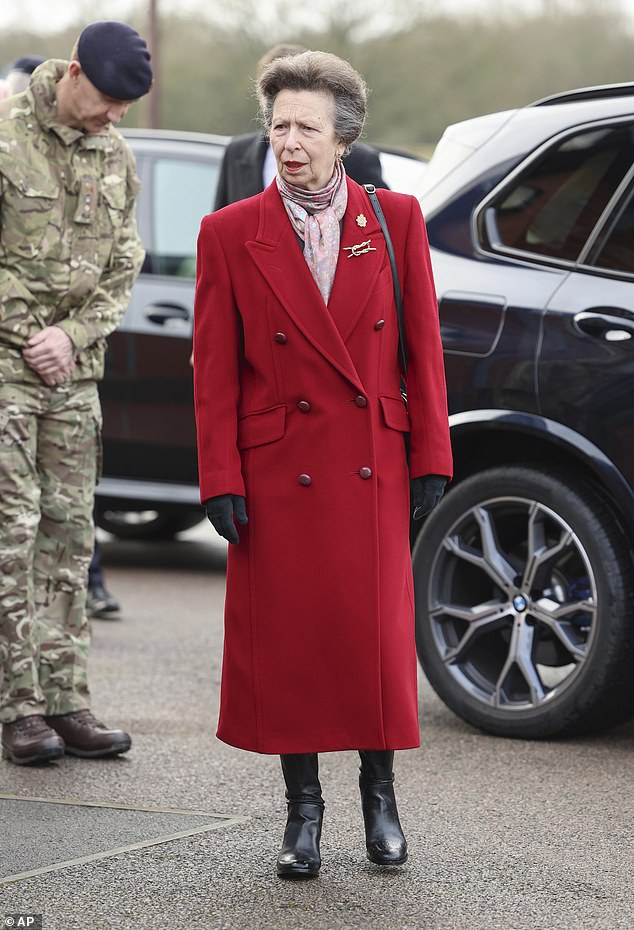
point(300, 440)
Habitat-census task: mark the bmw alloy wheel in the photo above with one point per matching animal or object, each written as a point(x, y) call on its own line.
point(513, 593)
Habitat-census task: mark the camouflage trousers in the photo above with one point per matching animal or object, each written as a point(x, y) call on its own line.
point(49, 442)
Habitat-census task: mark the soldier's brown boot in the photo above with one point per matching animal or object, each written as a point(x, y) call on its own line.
point(29, 740)
point(86, 736)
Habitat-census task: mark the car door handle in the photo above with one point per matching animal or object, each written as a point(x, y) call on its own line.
point(601, 324)
point(165, 313)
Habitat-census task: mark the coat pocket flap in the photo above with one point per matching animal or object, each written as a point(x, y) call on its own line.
point(256, 429)
point(114, 192)
point(395, 413)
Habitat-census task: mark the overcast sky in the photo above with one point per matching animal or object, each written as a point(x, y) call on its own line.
point(52, 15)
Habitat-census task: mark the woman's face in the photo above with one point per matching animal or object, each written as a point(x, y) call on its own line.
point(303, 137)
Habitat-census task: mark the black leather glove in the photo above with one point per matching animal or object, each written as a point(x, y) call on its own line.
point(425, 494)
point(222, 511)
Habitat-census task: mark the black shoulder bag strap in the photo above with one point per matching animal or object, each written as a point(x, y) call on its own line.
point(376, 206)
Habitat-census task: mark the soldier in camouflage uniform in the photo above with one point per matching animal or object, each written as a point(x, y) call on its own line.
point(69, 253)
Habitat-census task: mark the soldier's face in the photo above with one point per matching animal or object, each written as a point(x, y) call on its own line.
point(91, 110)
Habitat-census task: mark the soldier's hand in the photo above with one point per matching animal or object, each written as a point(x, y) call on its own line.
point(51, 354)
point(59, 377)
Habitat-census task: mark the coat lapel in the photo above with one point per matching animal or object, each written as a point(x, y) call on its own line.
point(279, 259)
point(356, 275)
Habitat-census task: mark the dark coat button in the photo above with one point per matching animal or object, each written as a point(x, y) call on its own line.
point(379, 324)
point(365, 472)
point(305, 480)
point(361, 401)
point(304, 406)
point(280, 337)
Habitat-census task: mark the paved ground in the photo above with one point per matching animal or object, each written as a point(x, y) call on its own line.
point(504, 835)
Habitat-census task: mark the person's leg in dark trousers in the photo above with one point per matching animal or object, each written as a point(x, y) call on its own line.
point(99, 601)
point(299, 856)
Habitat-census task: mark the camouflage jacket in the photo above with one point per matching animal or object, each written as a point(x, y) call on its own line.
point(69, 246)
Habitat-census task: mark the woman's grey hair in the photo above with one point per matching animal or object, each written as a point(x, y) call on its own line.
point(318, 71)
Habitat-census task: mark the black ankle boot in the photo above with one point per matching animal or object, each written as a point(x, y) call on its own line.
point(299, 856)
point(384, 839)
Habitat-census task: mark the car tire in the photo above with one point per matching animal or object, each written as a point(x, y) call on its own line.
point(146, 525)
point(525, 605)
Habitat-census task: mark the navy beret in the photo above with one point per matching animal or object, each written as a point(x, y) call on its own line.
point(27, 64)
point(115, 58)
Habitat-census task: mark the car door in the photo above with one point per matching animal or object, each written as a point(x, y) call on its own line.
point(592, 314)
point(568, 212)
point(149, 429)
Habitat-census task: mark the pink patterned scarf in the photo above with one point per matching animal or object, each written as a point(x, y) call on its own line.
point(315, 217)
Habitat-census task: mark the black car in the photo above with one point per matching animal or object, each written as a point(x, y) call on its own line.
point(149, 488)
point(525, 572)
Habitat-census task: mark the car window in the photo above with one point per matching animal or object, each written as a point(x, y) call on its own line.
point(184, 191)
point(617, 252)
point(553, 206)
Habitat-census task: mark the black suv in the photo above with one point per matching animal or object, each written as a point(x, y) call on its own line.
point(524, 573)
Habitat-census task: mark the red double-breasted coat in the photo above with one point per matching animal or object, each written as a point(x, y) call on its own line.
point(299, 409)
